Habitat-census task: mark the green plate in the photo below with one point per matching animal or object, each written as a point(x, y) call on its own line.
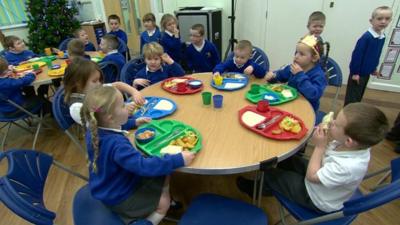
point(166, 131)
point(96, 59)
point(266, 89)
point(43, 58)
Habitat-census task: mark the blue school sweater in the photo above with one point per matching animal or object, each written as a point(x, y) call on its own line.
point(116, 57)
point(120, 166)
point(121, 34)
point(166, 71)
point(365, 57)
point(310, 84)
point(145, 38)
point(90, 47)
point(203, 61)
point(11, 89)
point(15, 58)
point(172, 46)
point(230, 66)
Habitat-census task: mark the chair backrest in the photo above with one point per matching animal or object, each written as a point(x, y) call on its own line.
point(63, 46)
point(258, 56)
point(395, 168)
point(333, 73)
point(110, 71)
point(3, 53)
point(61, 110)
point(21, 190)
point(130, 69)
point(123, 49)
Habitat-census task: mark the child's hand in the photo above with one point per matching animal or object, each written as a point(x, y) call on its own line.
point(320, 138)
point(356, 78)
point(269, 76)
point(138, 98)
point(176, 32)
point(131, 106)
point(141, 82)
point(167, 59)
point(249, 70)
point(216, 74)
point(188, 157)
point(142, 120)
point(295, 68)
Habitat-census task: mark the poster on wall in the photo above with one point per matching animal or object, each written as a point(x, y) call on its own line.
point(392, 55)
point(395, 39)
point(386, 71)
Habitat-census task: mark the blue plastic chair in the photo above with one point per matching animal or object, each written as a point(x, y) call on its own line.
point(110, 70)
point(123, 49)
point(130, 69)
point(63, 46)
point(88, 210)
point(258, 56)
point(214, 209)
point(21, 190)
point(23, 115)
point(334, 76)
point(62, 116)
point(357, 204)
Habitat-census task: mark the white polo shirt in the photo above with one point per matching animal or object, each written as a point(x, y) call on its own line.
point(340, 174)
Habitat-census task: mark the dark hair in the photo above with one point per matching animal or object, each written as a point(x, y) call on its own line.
point(366, 124)
point(76, 47)
point(149, 17)
point(199, 28)
point(3, 65)
point(8, 41)
point(111, 40)
point(114, 17)
point(77, 74)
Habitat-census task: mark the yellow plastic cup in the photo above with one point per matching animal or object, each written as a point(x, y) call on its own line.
point(218, 80)
point(47, 51)
point(60, 54)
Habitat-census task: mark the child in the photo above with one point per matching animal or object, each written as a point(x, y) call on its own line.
point(109, 45)
point(170, 37)
point(241, 62)
point(394, 134)
point(82, 35)
point(19, 91)
point(130, 184)
point(114, 22)
point(316, 24)
point(83, 75)
point(152, 32)
point(201, 55)
point(335, 169)
point(155, 71)
point(365, 57)
point(76, 48)
point(15, 49)
point(305, 73)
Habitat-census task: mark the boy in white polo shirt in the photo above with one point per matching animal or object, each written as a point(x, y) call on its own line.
point(335, 169)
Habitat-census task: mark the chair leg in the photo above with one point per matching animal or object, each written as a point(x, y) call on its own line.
point(254, 200)
point(69, 170)
point(5, 137)
point(260, 189)
point(36, 134)
point(381, 180)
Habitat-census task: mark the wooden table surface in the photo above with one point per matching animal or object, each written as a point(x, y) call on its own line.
point(228, 147)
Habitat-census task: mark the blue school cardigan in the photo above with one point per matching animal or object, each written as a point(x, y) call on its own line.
point(15, 58)
point(203, 61)
point(166, 71)
point(11, 89)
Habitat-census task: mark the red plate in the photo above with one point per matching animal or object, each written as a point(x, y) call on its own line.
point(174, 89)
point(267, 131)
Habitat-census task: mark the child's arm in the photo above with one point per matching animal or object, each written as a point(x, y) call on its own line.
point(174, 69)
point(357, 56)
point(12, 83)
point(312, 86)
point(320, 140)
point(223, 66)
point(257, 70)
point(281, 75)
point(125, 88)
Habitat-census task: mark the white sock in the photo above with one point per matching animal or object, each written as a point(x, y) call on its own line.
point(155, 218)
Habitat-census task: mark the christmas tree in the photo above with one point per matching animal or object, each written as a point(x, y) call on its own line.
point(49, 23)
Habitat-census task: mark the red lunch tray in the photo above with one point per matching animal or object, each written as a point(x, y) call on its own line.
point(267, 131)
point(174, 90)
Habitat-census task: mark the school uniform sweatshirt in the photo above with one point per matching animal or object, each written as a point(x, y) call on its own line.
point(204, 60)
point(230, 66)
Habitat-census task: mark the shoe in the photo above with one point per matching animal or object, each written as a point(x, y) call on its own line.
point(245, 185)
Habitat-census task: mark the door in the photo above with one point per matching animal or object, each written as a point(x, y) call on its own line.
point(130, 12)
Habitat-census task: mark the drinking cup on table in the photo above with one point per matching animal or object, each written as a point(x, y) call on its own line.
point(217, 100)
point(206, 96)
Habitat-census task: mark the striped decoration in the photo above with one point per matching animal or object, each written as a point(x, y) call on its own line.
point(12, 12)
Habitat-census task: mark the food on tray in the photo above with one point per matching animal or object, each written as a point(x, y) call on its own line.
point(290, 124)
point(276, 131)
point(251, 119)
point(172, 83)
point(233, 76)
point(277, 87)
point(326, 120)
point(233, 85)
point(186, 142)
point(164, 105)
point(146, 134)
point(171, 149)
point(287, 93)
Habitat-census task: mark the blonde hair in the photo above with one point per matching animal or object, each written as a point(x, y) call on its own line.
point(380, 8)
point(99, 101)
point(316, 16)
point(165, 19)
point(77, 74)
point(76, 47)
point(244, 45)
point(152, 49)
point(77, 32)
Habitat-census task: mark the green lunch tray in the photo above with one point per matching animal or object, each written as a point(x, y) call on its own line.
point(96, 59)
point(43, 58)
point(274, 97)
point(166, 131)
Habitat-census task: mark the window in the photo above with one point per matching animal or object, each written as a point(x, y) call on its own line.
point(12, 12)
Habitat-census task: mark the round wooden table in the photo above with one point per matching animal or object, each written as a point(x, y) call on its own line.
point(228, 147)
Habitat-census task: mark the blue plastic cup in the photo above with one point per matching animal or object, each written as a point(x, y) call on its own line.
point(217, 100)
